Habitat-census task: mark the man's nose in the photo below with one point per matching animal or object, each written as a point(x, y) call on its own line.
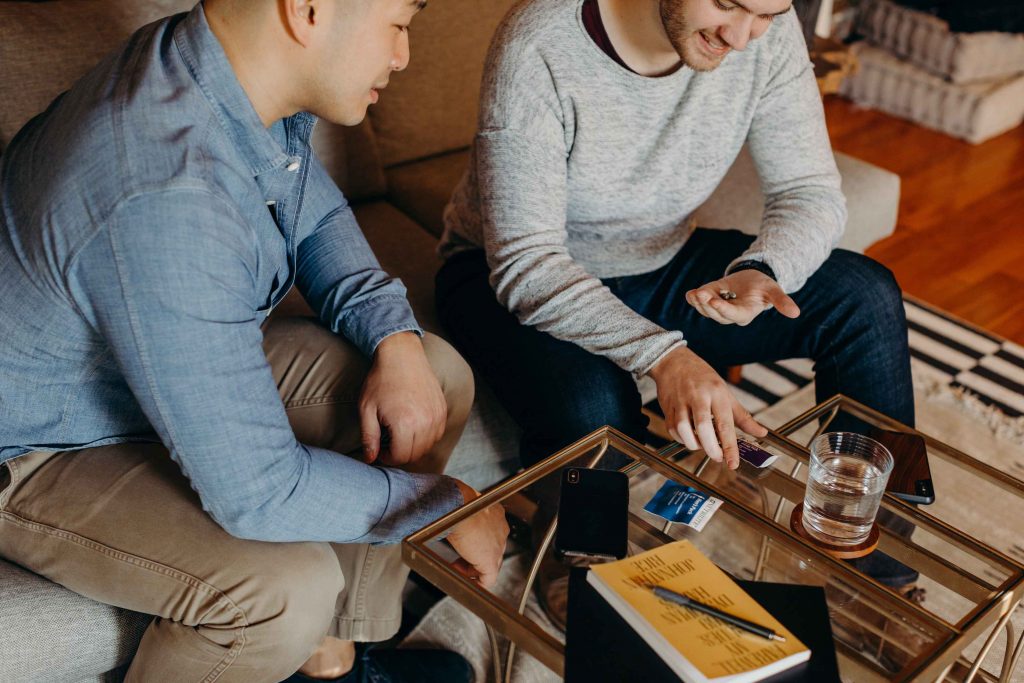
point(400, 59)
point(738, 32)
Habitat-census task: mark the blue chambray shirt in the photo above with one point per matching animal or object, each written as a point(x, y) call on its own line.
point(138, 259)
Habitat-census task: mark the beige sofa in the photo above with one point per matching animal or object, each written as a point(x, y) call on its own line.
point(398, 170)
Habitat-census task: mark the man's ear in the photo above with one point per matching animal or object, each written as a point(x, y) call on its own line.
point(300, 17)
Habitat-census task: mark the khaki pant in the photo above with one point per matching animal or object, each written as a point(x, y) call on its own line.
point(121, 525)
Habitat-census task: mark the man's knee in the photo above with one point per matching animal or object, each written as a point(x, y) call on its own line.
point(455, 376)
point(291, 604)
point(869, 286)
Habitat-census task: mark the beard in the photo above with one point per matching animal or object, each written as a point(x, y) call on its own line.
point(683, 38)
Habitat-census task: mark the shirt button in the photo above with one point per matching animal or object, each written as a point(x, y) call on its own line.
point(293, 166)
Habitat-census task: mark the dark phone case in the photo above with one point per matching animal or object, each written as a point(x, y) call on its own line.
point(911, 478)
point(592, 514)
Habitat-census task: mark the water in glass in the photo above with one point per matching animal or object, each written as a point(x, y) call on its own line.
point(842, 498)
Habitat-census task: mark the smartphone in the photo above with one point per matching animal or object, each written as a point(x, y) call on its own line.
point(911, 478)
point(593, 508)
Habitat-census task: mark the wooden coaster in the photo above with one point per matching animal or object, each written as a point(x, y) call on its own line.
point(843, 552)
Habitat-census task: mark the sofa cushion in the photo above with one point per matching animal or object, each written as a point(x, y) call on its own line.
point(52, 634)
point(46, 46)
point(430, 107)
point(872, 200)
point(422, 189)
point(350, 155)
point(405, 251)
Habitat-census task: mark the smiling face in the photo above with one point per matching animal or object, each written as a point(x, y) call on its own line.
point(703, 32)
point(368, 40)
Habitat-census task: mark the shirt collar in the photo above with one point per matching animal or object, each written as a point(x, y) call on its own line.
point(206, 61)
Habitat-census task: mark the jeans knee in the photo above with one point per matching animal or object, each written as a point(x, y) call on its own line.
point(872, 288)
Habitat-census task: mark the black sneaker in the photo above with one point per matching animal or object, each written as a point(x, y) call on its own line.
point(399, 666)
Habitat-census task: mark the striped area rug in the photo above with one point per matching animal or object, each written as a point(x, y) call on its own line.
point(965, 357)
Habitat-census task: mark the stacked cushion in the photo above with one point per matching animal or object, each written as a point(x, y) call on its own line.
point(969, 85)
point(927, 42)
point(974, 112)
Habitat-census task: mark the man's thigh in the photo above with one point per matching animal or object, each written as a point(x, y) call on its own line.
point(120, 524)
point(320, 377)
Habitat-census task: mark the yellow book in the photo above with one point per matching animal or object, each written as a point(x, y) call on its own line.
point(698, 647)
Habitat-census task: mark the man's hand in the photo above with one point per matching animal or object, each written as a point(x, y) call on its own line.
point(700, 411)
point(402, 410)
point(479, 541)
point(755, 293)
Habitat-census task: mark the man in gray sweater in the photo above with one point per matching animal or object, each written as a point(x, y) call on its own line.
point(573, 266)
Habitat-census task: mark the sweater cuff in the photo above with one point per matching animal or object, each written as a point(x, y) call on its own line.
point(661, 356)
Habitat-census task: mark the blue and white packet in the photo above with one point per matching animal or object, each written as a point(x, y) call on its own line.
point(683, 504)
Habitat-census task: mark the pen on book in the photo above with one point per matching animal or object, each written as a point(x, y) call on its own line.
point(749, 626)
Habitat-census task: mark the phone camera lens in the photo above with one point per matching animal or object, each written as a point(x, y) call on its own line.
point(574, 476)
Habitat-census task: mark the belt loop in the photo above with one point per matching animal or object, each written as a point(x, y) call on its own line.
point(14, 470)
point(6, 483)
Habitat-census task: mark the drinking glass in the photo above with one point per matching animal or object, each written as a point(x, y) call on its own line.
point(847, 477)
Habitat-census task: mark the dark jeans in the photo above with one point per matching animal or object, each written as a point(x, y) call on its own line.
point(851, 324)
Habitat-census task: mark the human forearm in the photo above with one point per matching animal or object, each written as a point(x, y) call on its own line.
point(334, 498)
point(554, 294)
point(805, 211)
point(523, 188)
point(340, 277)
point(798, 232)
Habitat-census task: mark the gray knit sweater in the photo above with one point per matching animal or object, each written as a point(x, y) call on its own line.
point(583, 170)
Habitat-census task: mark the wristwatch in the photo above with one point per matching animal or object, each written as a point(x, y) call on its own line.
point(751, 264)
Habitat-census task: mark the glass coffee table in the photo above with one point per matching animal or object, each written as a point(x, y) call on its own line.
point(972, 584)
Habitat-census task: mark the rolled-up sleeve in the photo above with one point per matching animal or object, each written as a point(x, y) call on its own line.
point(340, 278)
point(171, 293)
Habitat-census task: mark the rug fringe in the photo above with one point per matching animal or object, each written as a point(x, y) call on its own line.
point(1001, 424)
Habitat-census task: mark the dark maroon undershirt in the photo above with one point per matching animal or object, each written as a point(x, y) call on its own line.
point(595, 28)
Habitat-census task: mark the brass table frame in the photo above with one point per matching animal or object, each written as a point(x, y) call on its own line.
point(931, 666)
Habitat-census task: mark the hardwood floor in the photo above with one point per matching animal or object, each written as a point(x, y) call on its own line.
point(959, 240)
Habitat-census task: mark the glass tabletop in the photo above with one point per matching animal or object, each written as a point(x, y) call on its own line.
point(967, 544)
point(880, 635)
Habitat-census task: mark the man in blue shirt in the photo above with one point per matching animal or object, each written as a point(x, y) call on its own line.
point(165, 446)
